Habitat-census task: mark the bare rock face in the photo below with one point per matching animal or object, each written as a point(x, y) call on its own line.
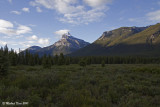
point(66, 45)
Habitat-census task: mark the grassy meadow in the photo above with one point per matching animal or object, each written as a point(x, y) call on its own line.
point(117, 85)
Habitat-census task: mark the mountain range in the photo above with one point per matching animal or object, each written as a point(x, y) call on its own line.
point(66, 45)
point(124, 41)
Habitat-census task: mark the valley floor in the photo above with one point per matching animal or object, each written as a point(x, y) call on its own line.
point(74, 86)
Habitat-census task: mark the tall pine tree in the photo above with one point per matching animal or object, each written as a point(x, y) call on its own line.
point(4, 62)
point(47, 62)
point(61, 60)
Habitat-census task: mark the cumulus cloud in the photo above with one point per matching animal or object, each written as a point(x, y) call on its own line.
point(3, 43)
point(31, 42)
point(34, 37)
point(84, 17)
point(16, 12)
point(5, 24)
point(27, 42)
point(25, 9)
point(7, 31)
point(74, 11)
point(38, 9)
point(23, 29)
point(11, 32)
point(7, 28)
point(43, 41)
point(61, 32)
point(96, 3)
point(154, 16)
point(62, 6)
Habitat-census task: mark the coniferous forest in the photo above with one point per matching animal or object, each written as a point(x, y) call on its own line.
point(13, 58)
point(94, 81)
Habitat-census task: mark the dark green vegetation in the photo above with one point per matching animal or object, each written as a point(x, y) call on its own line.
point(25, 58)
point(62, 81)
point(103, 64)
point(4, 61)
point(73, 86)
point(125, 41)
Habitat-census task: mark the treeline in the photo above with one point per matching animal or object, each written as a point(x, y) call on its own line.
point(26, 58)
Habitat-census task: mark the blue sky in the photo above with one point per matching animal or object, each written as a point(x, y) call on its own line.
point(25, 23)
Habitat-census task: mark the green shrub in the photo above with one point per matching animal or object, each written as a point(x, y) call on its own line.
point(82, 63)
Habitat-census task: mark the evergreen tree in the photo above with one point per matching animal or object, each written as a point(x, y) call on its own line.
point(47, 62)
point(88, 60)
point(51, 59)
point(13, 57)
point(27, 55)
point(56, 59)
point(61, 60)
point(4, 61)
point(37, 59)
point(67, 62)
point(103, 63)
point(31, 60)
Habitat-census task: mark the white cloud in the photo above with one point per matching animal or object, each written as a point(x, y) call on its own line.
point(16, 12)
point(154, 16)
point(5, 24)
point(3, 43)
point(62, 6)
point(25, 9)
point(7, 31)
point(23, 29)
point(34, 37)
point(84, 17)
point(43, 41)
point(26, 42)
point(61, 32)
point(31, 42)
point(95, 3)
point(38, 9)
point(27, 46)
point(7, 28)
point(74, 12)
point(35, 40)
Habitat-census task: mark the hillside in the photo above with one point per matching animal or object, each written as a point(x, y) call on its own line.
point(125, 41)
